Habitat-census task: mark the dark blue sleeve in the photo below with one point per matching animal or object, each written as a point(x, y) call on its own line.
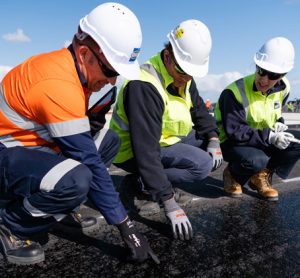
point(235, 125)
point(144, 108)
point(81, 147)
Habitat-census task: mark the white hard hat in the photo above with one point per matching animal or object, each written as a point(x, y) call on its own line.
point(117, 31)
point(276, 55)
point(191, 44)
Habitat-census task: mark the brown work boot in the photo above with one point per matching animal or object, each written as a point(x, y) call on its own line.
point(262, 183)
point(231, 186)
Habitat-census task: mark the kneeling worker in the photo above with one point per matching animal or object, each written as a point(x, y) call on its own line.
point(254, 138)
point(167, 135)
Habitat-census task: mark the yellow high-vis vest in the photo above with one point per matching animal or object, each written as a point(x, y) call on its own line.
point(176, 121)
point(262, 111)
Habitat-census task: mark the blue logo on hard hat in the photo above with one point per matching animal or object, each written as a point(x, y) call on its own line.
point(134, 54)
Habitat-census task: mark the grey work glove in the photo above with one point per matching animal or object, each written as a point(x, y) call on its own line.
point(137, 244)
point(213, 148)
point(280, 127)
point(181, 225)
point(280, 140)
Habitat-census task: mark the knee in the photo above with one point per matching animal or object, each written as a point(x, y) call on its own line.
point(76, 184)
point(203, 166)
point(255, 164)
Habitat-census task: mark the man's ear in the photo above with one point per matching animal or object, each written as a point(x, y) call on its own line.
point(167, 56)
point(82, 51)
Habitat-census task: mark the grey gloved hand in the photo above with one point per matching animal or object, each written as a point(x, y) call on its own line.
point(280, 127)
point(137, 244)
point(213, 148)
point(280, 140)
point(181, 225)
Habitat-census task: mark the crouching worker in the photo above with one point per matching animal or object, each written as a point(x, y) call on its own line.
point(49, 162)
point(254, 139)
point(167, 135)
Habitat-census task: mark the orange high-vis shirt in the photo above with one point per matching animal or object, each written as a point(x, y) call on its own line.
point(42, 98)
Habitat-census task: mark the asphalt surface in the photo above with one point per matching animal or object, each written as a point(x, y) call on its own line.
point(245, 237)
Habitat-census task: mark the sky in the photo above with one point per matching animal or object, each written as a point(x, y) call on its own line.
point(238, 29)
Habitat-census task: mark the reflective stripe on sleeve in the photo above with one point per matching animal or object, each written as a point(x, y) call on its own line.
point(68, 128)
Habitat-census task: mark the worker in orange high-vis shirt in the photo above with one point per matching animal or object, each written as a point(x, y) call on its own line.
point(49, 162)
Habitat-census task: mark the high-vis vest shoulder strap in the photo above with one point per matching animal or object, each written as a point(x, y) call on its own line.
point(176, 118)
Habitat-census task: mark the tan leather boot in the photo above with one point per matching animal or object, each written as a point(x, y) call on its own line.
point(231, 186)
point(262, 183)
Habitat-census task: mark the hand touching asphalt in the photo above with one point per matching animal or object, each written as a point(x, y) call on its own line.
point(181, 225)
point(137, 244)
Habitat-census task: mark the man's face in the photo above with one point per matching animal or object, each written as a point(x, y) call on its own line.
point(98, 70)
point(173, 68)
point(265, 80)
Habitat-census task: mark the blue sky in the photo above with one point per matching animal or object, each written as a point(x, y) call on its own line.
point(238, 29)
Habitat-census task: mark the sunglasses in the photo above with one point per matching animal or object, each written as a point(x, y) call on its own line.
point(177, 67)
point(105, 69)
point(271, 75)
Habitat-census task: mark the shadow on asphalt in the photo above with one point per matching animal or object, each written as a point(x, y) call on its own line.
point(78, 237)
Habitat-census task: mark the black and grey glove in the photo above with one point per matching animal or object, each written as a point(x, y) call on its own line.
point(181, 225)
point(97, 122)
point(138, 245)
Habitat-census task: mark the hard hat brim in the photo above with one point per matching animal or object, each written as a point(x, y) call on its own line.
point(130, 71)
point(270, 67)
point(193, 70)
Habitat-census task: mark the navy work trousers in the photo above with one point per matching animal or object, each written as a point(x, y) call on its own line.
point(41, 188)
point(245, 161)
point(186, 161)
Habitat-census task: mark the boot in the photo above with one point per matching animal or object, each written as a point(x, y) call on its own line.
point(135, 198)
point(231, 186)
point(19, 251)
point(88, 224)
point(262, 183)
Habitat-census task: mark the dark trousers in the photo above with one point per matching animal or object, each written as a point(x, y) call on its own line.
point(41, 188)
point(245, 161)
point(186, 161)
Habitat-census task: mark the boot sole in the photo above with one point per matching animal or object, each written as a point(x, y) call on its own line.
point(25, 261)
point(232, 195)
point(20, 260)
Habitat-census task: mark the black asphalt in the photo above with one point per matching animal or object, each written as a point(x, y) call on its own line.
point(245, 237)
